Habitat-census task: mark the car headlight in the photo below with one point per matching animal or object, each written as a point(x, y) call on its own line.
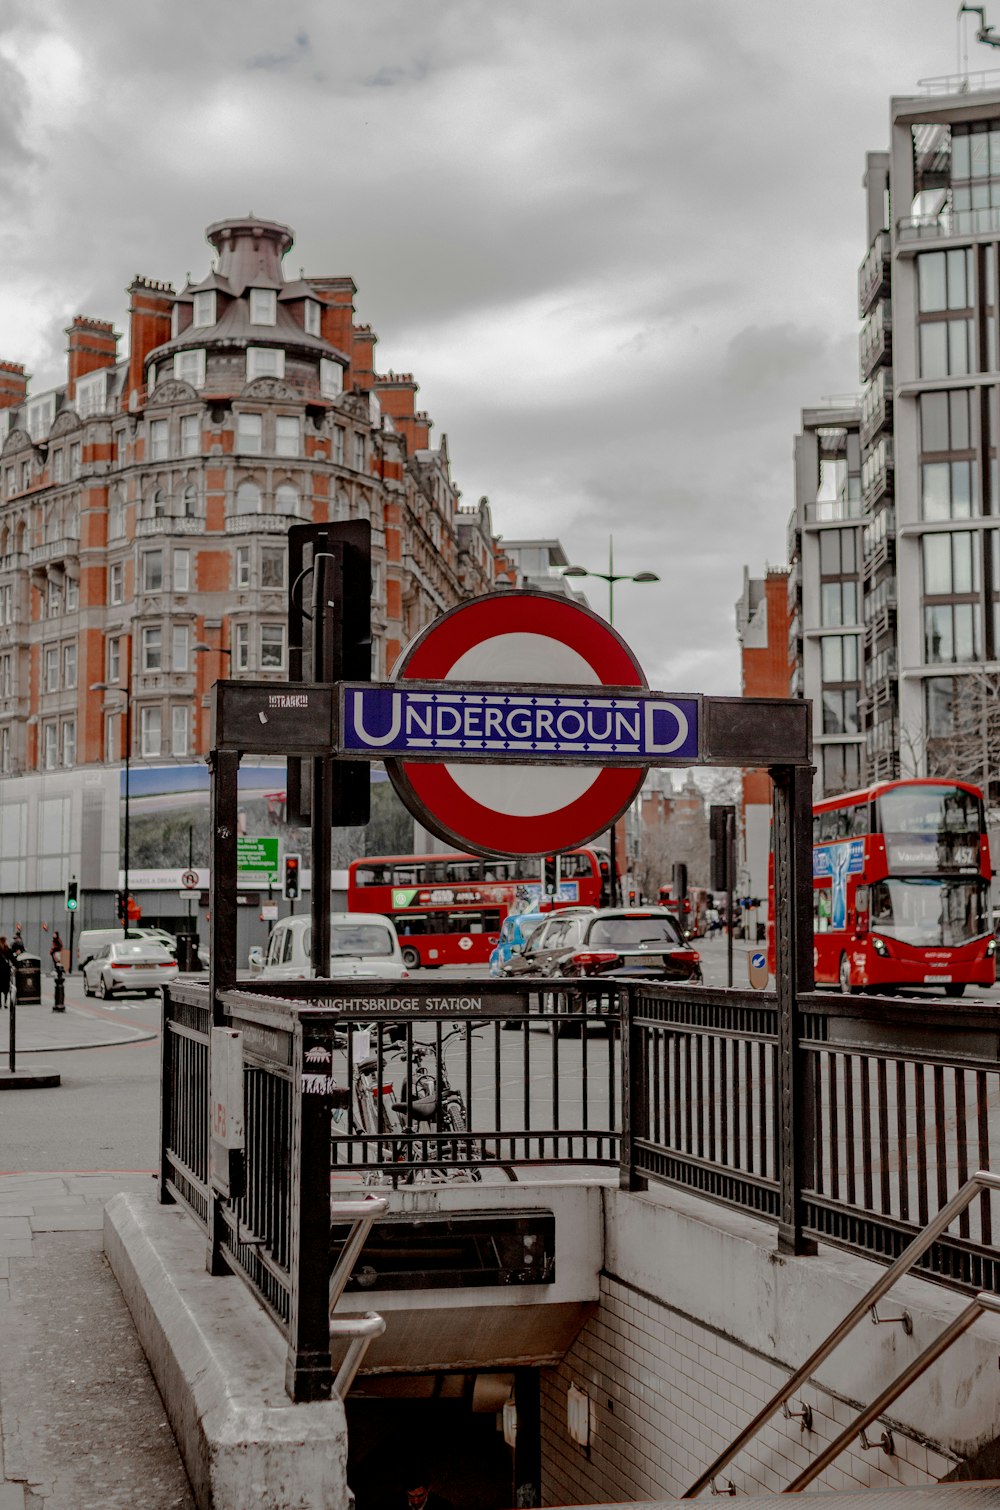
point(991, 948)
point(880, 946)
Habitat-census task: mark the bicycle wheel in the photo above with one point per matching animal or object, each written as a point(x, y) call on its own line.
point(455, 1120)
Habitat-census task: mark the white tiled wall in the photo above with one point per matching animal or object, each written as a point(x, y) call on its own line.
point(668, 1394)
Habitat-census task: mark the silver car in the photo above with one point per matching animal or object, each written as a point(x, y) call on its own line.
point(128, 965)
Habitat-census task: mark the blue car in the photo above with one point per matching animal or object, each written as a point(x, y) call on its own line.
point(515, 933)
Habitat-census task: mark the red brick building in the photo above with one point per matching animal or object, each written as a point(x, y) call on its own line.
point(144, 504)
point(764, 623)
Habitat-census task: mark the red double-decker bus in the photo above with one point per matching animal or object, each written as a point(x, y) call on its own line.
point(449, 909)
point(901, 888)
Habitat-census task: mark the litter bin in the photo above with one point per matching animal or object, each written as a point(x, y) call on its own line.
point(187, 952)
point(28, 978)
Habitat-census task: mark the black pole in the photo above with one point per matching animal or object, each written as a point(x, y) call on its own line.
point(12, 1007)
point(730, 868)
point(792, 831)
point(326, 668)
point(72, 931)
point(128, 755)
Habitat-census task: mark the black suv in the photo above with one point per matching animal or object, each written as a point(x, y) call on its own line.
point(630, 943)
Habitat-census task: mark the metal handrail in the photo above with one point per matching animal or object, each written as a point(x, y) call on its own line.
point(360, 1330)
point(982, 1180)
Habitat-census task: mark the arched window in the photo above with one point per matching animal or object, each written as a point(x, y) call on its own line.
point(190, 502)
point(159, 504)
point(248, 498)
point(4, 542)
point(286, 499)
point(51, 525)
point(116, 516)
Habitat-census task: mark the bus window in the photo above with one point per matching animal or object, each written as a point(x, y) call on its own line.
point(464, 870)
point(406, 875)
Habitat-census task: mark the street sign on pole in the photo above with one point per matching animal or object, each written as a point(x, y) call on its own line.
point(256, 860)
point(506, 639)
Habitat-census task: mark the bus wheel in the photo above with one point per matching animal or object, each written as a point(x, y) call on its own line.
point(844, 976)
point(955, 988)
point(411, 959)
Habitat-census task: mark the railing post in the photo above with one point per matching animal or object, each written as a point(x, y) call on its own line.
point(308, 1370)
point(225, 766)
point(167, 1092)
point(635, 1108)
point(792, 836)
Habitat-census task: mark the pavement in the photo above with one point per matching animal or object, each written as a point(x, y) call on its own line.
point(81, 1421)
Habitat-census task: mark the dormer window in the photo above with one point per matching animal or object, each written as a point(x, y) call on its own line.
point(91, 393)
point(189, 367)
point(39, 415)
point(265, 361)
point(312, 318)
point(263, 306)
point(331, 378)
point(204, 307)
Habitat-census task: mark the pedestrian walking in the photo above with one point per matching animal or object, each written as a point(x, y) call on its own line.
point(419, 1494)
point(55, 950)
point(17, 942)
point(6, 971)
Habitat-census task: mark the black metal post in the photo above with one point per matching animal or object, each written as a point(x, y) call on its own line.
point(528, 1439)
point(792, 829)
point(730, 876)
point(12, 1008)
point(72, 931)
point(225, 766)
point(326, 668)
point(635, 1108)
point(308, 1369)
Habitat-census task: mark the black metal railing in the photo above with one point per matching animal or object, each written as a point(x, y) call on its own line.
point(346, 1086)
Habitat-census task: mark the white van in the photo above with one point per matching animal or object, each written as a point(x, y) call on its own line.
point(361, 943)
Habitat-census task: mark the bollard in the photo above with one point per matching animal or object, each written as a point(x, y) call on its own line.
point(59, 1000)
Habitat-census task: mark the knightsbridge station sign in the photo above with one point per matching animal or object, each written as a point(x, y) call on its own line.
point(531, 723)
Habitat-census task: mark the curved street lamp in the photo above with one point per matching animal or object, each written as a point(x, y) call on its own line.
point(611, 577)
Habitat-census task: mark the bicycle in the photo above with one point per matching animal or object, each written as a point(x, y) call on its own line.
point(427, 1116)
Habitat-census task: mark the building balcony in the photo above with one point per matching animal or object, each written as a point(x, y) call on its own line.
point(165, 525)
point(879, 415)
point(53, 550)
point(873, 275)
point(831, 510)
point(876, 343)
point(260, 524)
point(913, 229)
point(879, 482)
point(13, 563)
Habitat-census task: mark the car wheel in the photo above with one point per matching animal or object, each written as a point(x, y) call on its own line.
point(955, 988)
point(86, 987)
point(411, 959)
point(102, 989)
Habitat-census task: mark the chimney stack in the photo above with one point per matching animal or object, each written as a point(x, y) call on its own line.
point(13, 384)
point(93, 344)
point(149, 326)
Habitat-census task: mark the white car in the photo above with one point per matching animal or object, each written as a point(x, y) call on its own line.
point(128, 965)
point(361, 944)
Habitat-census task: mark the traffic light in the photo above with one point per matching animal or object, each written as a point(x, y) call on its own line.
point(71, 896)
point(719, 844)
point(291, 889)
point(550, 875)
point(121, 911)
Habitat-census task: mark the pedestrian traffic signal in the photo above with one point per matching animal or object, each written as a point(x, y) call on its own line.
point(291, 887)
point(71, 896)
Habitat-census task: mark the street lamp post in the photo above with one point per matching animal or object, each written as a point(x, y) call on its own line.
point(126, 758)
point(611, 577)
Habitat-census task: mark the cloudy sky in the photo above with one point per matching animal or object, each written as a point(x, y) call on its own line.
point(617, 243)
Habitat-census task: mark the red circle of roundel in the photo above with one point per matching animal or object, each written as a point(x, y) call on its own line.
point(442, 805)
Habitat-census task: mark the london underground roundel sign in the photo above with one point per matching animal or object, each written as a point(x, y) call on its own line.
point(507, 638)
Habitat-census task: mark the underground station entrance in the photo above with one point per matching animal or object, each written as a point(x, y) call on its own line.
point(278, 1132)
